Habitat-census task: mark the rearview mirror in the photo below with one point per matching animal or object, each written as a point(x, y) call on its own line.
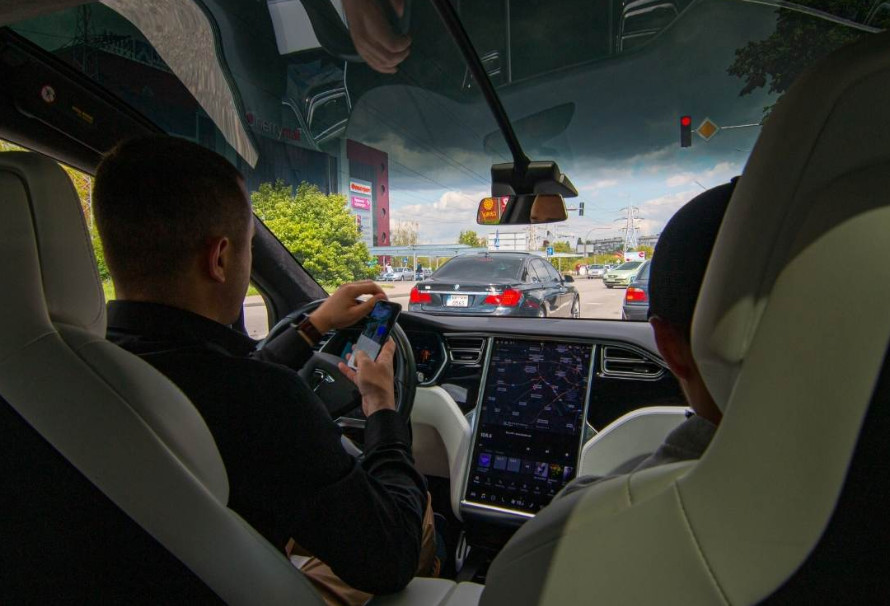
point(523, 209)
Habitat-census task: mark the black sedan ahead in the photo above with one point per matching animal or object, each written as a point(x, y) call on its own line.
point(636, 297)
point(497, 284)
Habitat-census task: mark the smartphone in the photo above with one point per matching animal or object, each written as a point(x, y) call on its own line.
point(379, 324)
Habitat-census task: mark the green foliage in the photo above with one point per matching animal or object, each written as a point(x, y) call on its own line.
point(798, 41)
point(471, 238)
point(100, 254)
point(404, 233)
point(317, 229)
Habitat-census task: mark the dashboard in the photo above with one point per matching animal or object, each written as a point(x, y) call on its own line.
point(505, 406)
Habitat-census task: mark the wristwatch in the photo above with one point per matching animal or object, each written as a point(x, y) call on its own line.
point(305, 327)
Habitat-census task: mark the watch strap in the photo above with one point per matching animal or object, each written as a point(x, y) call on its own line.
point(305, 326)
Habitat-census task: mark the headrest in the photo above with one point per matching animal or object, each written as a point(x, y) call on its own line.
point(834, 121)
point(46, 248)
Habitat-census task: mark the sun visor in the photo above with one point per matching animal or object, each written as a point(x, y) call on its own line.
point(183, 36)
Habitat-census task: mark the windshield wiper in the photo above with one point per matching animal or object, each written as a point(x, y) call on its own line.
point(522, 176)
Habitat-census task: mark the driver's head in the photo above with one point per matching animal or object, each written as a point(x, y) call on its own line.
point(675, 279)
point(176, 225)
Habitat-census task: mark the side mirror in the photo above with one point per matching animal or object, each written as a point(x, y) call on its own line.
point(523, 209)
point(567, 278)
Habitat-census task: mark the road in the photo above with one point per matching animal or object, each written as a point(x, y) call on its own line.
point(597, 302)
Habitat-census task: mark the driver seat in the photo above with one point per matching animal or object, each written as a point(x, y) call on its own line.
point(112, 487)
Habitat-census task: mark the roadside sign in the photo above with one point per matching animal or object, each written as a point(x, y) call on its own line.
point(549, 251)
point(404, 260)
point(707, 129)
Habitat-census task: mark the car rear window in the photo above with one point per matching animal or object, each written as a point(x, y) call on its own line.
point(483, 268)
point(644, 271)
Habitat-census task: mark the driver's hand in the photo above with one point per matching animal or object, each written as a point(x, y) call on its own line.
point(374, 379)
point(373, 36)
point(341, 309)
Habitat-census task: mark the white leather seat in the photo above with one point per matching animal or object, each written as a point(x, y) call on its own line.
point(118, 421)
point(791, 336)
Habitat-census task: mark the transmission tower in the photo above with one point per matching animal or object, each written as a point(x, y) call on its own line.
point(631, 218)
point(83, 49)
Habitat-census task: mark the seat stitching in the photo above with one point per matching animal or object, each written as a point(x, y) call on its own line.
point(630, 500)
point(28, 345)
point(698, 548)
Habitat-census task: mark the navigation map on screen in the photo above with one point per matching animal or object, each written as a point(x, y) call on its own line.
point(531, 419)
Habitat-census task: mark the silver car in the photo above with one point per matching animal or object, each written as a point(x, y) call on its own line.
point(595, 271)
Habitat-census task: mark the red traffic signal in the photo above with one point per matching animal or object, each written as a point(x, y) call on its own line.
point(685, 131)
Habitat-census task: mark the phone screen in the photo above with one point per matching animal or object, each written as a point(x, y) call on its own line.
point(379, 324)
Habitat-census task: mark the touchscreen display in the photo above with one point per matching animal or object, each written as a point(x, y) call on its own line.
point(530, 423)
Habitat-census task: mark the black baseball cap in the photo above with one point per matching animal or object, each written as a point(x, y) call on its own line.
point(682, 254)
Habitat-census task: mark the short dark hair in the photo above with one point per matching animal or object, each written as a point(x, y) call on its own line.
point(682, 254)
point(157, 199)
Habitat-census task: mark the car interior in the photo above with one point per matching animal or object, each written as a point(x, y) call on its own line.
point(113, 489)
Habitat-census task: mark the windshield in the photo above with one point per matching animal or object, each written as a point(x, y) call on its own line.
point(627, 266)
point(358, 171)
point(479, 269)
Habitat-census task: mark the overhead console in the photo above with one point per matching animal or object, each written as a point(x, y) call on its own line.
point(528, 431)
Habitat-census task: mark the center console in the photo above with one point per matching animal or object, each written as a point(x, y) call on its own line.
point(528, 428)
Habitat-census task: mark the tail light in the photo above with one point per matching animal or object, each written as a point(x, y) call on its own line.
point(635, 295)
point(419, 297)
point(508, 298)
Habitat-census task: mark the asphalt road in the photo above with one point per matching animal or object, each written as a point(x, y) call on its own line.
point(597, 302)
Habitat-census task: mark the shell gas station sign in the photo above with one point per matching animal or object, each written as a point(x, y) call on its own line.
point(491, 209)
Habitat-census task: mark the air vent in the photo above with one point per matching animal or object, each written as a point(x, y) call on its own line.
point(628, 364)
point(466, 351)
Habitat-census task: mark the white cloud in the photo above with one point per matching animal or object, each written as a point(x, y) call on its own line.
point(599, 184)
point(678, 180)
point(657, 211)
point(720, 173)
point(441, 221)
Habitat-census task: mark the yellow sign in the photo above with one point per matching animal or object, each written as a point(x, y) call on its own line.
point(707, 129)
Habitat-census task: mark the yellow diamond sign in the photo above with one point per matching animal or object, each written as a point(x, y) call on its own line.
point(707, 129)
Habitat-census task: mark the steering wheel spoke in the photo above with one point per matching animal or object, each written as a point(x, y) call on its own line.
point(338, 393)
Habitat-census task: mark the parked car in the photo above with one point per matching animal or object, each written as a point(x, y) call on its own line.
point(422, 274)
point(622, 275)
point(595, 271)
point(497, 284)
point(636, 298)
point(398, 274)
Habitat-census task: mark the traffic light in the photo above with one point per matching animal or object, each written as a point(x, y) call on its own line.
point(685, 131)
point(581, 209)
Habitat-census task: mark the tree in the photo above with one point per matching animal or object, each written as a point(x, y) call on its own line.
point(471, 238)
point(798, 41)
point(317, 229)
point(558, 247)
point(404, 233)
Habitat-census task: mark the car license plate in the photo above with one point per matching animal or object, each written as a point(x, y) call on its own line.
point(457, 301)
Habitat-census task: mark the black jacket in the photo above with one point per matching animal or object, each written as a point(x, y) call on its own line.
point(289, 475)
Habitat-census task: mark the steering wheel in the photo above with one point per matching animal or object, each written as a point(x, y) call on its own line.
point(335, 390)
